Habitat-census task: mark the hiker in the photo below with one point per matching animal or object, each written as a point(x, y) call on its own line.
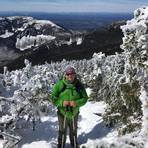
point(68, 95)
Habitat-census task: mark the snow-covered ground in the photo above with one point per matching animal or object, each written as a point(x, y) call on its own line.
point(90, 128)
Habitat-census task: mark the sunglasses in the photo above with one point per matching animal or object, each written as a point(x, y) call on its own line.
point(68, 74)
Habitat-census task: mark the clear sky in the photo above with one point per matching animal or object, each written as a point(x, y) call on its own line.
point(72, 5)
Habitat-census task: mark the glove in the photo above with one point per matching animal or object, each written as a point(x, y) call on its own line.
point(66, 103)
point(72, 103)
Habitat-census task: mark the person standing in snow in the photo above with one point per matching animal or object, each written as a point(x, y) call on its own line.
point(68, 95)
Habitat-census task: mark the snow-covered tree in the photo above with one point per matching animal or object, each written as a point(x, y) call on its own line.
point(135, 46)
point(122, 75)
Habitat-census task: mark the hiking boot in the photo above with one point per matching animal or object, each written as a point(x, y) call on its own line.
point(60, 146)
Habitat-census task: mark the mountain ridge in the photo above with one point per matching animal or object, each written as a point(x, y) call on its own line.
point(42, 40)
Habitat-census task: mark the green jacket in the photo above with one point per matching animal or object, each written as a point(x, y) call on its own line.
point(64, 91)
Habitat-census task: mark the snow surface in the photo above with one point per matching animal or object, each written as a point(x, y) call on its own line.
point(39, 23)
point(90, 128)
point(69, 42)
point(43, 22)
point(19, 17)
point(79, 41)
point(1, 143)
point(7, 34)
point(31, 41)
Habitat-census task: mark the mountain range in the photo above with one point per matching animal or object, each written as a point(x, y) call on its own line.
point(23, 37)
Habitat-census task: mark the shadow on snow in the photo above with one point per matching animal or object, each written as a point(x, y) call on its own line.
point(99, 131)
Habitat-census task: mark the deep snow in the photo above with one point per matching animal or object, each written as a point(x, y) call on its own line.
point(90, 128)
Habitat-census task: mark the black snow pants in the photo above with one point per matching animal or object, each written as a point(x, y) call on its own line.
point(72, 125)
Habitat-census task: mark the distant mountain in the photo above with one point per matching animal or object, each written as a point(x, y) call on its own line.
point(42, 40)
point(20, 35)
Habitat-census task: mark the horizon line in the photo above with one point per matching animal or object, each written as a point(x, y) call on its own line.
point(65, 12)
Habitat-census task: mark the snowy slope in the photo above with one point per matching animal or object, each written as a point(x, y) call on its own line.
point(90, 127)
point(92, 132)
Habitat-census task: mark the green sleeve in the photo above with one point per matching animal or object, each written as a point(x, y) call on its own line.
point(84, 97)
point(55, 94)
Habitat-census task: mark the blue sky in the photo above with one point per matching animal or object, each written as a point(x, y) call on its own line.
point(72, 5)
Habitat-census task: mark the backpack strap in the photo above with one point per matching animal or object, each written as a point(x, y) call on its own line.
point(78, 86)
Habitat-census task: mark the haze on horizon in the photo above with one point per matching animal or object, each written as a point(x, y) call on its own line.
point(71, 5)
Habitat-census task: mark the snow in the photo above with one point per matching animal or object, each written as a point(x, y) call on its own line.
point(40, 23)
point(137, 28)
point(1, 143)
point(40, 144)
point(5, 119)
point(91, 131)
point(89, 91)
point(32, 41)
point(145, 63)
point(20, 29)
point(89, 120)
point(20, 17)
point(69, 42)
point(7, 34)
point(79, 41)
point(90, 128)
point(144, 100)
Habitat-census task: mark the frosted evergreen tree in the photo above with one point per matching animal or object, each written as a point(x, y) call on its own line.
point(123, 74)
point(135, 46)
point(144, 100)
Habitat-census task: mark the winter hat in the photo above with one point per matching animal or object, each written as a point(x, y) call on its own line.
point(70, 70)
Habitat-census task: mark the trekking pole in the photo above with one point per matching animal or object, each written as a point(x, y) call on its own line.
point(62, 146)
point(74, 136)
point(64, 126)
